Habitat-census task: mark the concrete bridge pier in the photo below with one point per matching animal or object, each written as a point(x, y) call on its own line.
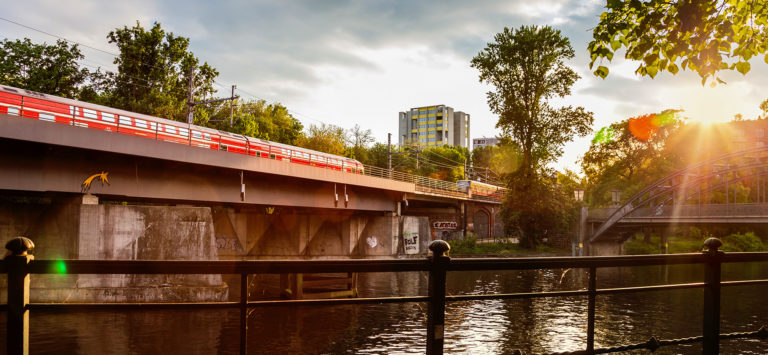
point(67, 227)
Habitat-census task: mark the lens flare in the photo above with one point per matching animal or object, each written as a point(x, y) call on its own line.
point(643, 127)
point(604, 136)
point(60, 267)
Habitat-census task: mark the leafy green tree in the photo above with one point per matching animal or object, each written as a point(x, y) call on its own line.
point(547, 209)
point(358, 140)
point(50, 69)
point(256, 119)
point(153, 73)
point(527, 68)
point(326, 138)
point(705, 36)
point(443, 162)
point(618, 160)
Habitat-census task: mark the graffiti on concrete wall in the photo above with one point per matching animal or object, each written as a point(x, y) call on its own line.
point(445, 225)
point(228, 244)
point(411, 242)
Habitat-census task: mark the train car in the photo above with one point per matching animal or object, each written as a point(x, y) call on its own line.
point(34, 105)
point(476, 188)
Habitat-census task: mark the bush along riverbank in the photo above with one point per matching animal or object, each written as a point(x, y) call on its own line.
point(693, 242)
point(471, 246)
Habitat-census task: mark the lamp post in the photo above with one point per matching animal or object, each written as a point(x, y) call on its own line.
point(578, 195)
point(615, 197)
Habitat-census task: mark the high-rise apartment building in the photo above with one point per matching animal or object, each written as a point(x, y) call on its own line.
point(432, 126)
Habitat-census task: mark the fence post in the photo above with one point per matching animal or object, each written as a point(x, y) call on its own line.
point(436, 305)
point(17, 336)
point(711, 319)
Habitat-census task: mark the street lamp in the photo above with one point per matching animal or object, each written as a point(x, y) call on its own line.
point(578, 194)
point(577, 244)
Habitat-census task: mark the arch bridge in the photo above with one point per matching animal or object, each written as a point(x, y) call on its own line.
point(729, 189)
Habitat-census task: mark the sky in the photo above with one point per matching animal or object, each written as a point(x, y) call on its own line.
point(348, 62)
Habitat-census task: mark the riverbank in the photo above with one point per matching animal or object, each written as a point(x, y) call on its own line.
point(735, 242)
point(471, 247)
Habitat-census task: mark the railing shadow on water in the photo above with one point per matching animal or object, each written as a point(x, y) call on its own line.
point(19, 265)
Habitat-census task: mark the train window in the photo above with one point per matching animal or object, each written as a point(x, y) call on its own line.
point(140, 123)
point(46, 117)
point(152, 125)
point(13, 111)
point(88, 113)
point(184, 132)
point(124, 120)
point(107, 117)
point(197, 134)
point(207, 136)
point(170, 129)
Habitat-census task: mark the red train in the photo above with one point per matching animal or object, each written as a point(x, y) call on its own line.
point(30, 104)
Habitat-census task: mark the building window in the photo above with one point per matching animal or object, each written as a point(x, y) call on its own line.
point(759, 144)
point(760, 133)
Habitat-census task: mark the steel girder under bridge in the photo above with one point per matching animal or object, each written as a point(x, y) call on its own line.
point(732, 188)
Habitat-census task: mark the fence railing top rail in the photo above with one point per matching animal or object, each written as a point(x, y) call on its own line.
point(365, 265)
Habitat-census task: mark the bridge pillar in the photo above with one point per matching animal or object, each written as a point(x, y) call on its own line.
point(74, 228)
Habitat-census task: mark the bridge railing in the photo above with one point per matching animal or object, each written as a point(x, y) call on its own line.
point(19, 266)
point(708, 210)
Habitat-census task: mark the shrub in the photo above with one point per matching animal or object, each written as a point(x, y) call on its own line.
point(639, 247)
point(743, 242)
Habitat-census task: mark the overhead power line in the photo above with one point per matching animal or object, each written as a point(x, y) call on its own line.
point(116, 55)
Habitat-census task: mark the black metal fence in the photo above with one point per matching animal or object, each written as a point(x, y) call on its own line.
point(19, 266)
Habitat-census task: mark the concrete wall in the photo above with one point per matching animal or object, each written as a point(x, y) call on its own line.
point(66, 229)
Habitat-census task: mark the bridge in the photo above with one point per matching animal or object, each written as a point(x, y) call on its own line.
point(726, 190)
point(48, 159)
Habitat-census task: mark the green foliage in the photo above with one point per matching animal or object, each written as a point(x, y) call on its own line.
point(326, 138)
point(704, 36)
point(443, 162)
point(526, 67)
point(743, 242)
point(469, 246)
point(629, 164)
point(50, 69)
point(153, 73)
point(256, 119)
point(536, 208)
point(639, 247)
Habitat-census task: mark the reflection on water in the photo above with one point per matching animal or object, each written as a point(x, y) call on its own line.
point(472, 327)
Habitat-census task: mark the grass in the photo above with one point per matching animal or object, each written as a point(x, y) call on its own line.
point(470, 246)
point(735, 242)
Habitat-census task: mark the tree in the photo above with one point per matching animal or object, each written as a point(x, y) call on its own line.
point(154, 71)
point(326, 138)
point(256, 119)
point(358, 140)
point(443, 162)
point(623, 158)
point(50, 69)
point(526, 67)
point(704, 36)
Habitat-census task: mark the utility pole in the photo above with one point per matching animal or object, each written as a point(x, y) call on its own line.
point(232, 106)
point(389, 151)
point(190, 103)
point(418, 149)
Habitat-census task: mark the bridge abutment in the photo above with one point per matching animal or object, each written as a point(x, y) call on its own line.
point(66, 228)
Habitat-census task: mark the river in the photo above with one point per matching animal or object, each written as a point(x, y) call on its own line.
point(472, 327)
